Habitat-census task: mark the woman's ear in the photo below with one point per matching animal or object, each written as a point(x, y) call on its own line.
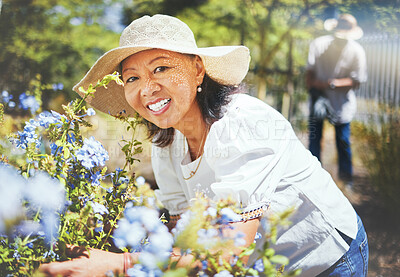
point(200, 70)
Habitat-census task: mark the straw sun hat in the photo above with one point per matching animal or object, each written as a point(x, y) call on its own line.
point(227, 65)
point(345, 27)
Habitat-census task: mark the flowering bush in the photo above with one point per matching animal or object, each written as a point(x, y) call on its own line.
point(63, 193)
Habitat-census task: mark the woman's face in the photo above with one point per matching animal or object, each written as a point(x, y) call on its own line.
point(162, 85)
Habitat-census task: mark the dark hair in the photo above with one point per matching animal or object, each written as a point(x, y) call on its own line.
point(211, 100)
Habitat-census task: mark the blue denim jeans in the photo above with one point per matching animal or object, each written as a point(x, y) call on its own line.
point(342, 132)
point(355, 261)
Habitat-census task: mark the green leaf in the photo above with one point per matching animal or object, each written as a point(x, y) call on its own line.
point(67, 153)
point(248, 251)
point(269, 252)
point(178, 272)
point(279, 259)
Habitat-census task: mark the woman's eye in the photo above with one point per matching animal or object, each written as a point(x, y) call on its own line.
point(131, 79)
point(160, 69)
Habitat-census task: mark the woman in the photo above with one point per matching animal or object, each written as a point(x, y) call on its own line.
point(208, 137)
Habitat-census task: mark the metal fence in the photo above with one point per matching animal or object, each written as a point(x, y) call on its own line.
point(383, 62)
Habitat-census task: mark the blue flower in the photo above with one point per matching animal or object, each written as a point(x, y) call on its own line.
point(29, 228)
point(11, 104)
point(259, 265)
point(211, 211)
point(58, 86)
point(12, 187)
point(85, 199)
point(46, 195)
point(141, 229)
point(257, 236)
point(71, 138)
point(46, 118)
point(99, 226)
point(207, 237)
point(228, 215)
point(53, 148)
point(182, 223)
point(6, 97)
point(16, 255)
point(28, 102)
point(123, 180)
point(92, 153)
point(45, 192)
point(96, 177)
point(233, 260)
point(147, 217)
point(50, 222)
point(99, 208)
point(90, 112)
point(223, 273)
point(158, 248)
point(140, 180)
point(28, 135)
point(129, 234)
point(51, 254)
point(139, 270)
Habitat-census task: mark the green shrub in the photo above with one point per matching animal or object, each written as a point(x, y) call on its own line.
point(380, 154)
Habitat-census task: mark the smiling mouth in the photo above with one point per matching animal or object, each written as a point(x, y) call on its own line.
point(159, 105)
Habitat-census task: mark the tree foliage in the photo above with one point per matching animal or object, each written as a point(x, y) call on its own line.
point(45, 37)
point(61, 39)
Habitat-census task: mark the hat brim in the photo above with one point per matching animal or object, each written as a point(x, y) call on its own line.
point(227, 65)
point(352, 34)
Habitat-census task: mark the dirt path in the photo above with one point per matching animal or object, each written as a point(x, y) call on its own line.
point(383, 229)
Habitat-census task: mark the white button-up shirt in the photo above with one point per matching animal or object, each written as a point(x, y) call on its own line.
point(253, 155)
point(329, 61)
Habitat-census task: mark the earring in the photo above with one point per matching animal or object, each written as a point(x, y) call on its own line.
point(199, 89)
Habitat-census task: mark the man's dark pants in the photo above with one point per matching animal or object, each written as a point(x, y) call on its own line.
point(342, 132)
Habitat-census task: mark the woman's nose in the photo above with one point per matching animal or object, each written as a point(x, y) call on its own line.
point(150, 86)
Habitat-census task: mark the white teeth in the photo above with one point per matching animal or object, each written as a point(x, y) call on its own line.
point(159, 105)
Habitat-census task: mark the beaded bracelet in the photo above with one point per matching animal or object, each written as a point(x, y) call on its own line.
point(252, 214)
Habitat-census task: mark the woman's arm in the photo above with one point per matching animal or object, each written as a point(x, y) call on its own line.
point(94, 262)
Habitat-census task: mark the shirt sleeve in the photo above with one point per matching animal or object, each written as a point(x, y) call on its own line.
point(170, 191)
point(249, 152)
point(311, 57)
point(359, 72)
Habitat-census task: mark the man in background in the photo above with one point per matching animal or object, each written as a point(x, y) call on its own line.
point(336, 66)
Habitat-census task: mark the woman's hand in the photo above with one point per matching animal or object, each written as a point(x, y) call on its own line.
point(92, 262)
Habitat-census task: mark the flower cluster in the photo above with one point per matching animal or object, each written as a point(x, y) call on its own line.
point(28, 102)
point(92, 153)
point(46, 198)
point(142, 230)
point(30, 230)
point(58, 86)
point(6, 99)
point(29, 134)
point(12, 187)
